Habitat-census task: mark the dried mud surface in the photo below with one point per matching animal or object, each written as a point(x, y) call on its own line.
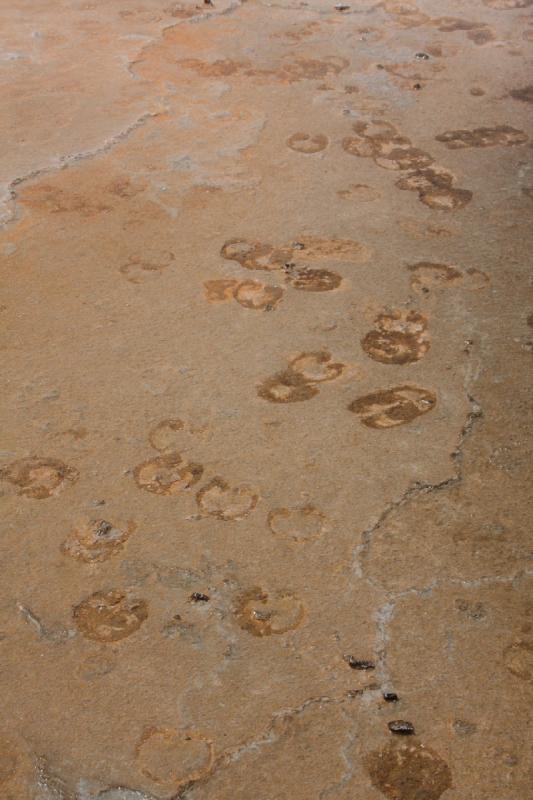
point(266, 325)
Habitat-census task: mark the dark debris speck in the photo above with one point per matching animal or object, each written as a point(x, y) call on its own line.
point(199, 597)
point(401, 727)
point(390, 697)
point(358, 663)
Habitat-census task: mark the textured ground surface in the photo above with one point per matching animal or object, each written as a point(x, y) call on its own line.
point(265, 346)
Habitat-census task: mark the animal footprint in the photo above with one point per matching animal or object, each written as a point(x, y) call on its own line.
point(297, 382)
point(388, 408)
point(258, 296)
point(524, 94)
point(109, 616)
point(96, 540)
point(39, 478)
point(435, 188)
point(218, 499)
point(389, 149)
point(218, 291)
point(518, 658)
point(316, 248)
point(166, 435)
point(398, 338)
point(312, 280)
point(255, 255)
point(482, 137)
point(166, 474)
point(504, 5)
point(306, 143)
point(147, 265)
point(286, 387)
point(249, 294)
point(427, 275)
point(316, 367)
point(174, 758)
point(303, 524)
point(263, 614)
point(412, 765)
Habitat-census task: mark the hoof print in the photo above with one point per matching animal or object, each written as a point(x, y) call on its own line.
point(218, 291)
point(398, 338)
point(286, 387)
point(388, 408)
point(304, 524)
point(258, 296)
point(307, 143)
point(218, 499)
point(254, 255)
point(483, 137)
point(166, 474)
point(39, 478)
point(165, 436)
point(96, 540)
point(408, 770)
point(316, 367)
point(146, 266)
point(172, 758)
point(109, 616)
point(308, 279)
point(264, 613)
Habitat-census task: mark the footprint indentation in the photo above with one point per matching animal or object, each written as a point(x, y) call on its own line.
point(505, 5)
point(301, 524)
point(167, 474)
point(518, 658)
point(147, 265)
point(8, 761)
point(258, 296)
point(398, 338)
point(109, 616)
point(166, 435)
point(308, 279)
point(218, 499)
point(307, 143)
point(388, 408)
point(218, 291)
point(39, 478)
point(311, 68)
point(255, 255)
point(407, 771)
point(286, 387)
point(389, 149)
point(483, 137)
point(316, 248)
point(316, 367)
point(427, 275)
point(264, 613)
point(96, 540)
point(167, 756)
point(297, 382)
point(525, 94)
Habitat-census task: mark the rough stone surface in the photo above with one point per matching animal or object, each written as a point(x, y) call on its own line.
point(266, 334)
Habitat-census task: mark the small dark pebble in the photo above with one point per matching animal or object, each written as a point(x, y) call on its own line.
point(198, 597)
point(417, 86)
point(356, 663)
point(421, 56)
point(401, 727)
point(390, 697)
point(380, 66)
